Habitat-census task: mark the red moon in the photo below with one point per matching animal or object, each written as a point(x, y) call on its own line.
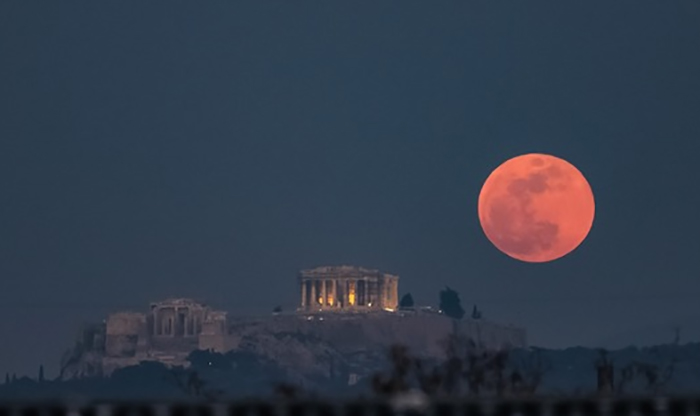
point(536, 207)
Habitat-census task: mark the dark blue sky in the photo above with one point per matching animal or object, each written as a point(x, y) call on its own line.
point(212, 149)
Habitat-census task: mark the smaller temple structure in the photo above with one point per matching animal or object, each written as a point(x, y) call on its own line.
point(347, 288)
point(168, 332)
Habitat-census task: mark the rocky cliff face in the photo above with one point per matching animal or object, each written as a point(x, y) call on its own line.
point(422, 333)
point(304, 357)
point(328, 346)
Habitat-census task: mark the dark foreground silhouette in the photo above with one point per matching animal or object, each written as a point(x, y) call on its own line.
point(467, 372)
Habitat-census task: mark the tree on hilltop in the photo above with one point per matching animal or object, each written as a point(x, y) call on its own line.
point(450, 304)
point(406, 301)
point(476, 313)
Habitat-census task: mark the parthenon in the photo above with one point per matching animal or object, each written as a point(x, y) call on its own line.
point(347, 288)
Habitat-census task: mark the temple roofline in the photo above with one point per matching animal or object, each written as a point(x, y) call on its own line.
point(347, 288)
point(343, 271)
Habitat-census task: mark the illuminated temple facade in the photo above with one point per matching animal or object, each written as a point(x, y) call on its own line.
point(347, 288)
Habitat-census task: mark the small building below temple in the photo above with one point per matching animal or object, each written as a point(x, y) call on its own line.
point(347, 288)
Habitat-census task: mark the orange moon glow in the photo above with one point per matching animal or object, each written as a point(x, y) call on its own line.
point(536, 207)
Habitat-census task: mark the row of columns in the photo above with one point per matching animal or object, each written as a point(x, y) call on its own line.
point(339, 293)
point(166, 322)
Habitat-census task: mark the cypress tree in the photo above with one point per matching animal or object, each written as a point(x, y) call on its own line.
point(450, 303)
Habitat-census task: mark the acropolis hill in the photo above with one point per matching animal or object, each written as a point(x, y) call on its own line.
point(347, 309)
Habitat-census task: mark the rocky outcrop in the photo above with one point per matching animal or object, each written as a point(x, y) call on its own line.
point(316, 344)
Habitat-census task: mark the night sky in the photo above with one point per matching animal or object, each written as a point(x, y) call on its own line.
point(211, 149)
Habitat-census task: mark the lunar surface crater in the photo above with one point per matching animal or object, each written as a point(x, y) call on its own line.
point(529, 210)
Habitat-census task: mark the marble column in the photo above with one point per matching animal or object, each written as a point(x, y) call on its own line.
point(303, 293)
point(313, 293)
point(155, 321)
point(353, 283)
point(367, 301)
point(330, 292)
point(385, 294)
point(336, 298)
point(324, 292)
point(175, 322)
point(344, 284)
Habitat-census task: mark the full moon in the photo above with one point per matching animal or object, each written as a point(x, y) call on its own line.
point(536, 207)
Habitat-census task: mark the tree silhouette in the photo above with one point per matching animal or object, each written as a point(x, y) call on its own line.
point(450, 304)
point(277, 309)
point(41, 373)
point(530, 372)
point(406, 301)
point(468, 370)
point(7, 378)
point(606, 374)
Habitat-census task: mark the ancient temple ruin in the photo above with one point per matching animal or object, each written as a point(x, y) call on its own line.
point(168, 331)
point(347, 288)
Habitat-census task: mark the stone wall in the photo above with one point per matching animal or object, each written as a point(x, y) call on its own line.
point(423, 333)
point(129, 339)
point(214, 335)
point(123, 331)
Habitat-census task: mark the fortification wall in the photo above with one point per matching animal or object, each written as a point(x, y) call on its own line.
point(123, 330)
point(125, 323)
point(423, 333)
point(174, 344)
